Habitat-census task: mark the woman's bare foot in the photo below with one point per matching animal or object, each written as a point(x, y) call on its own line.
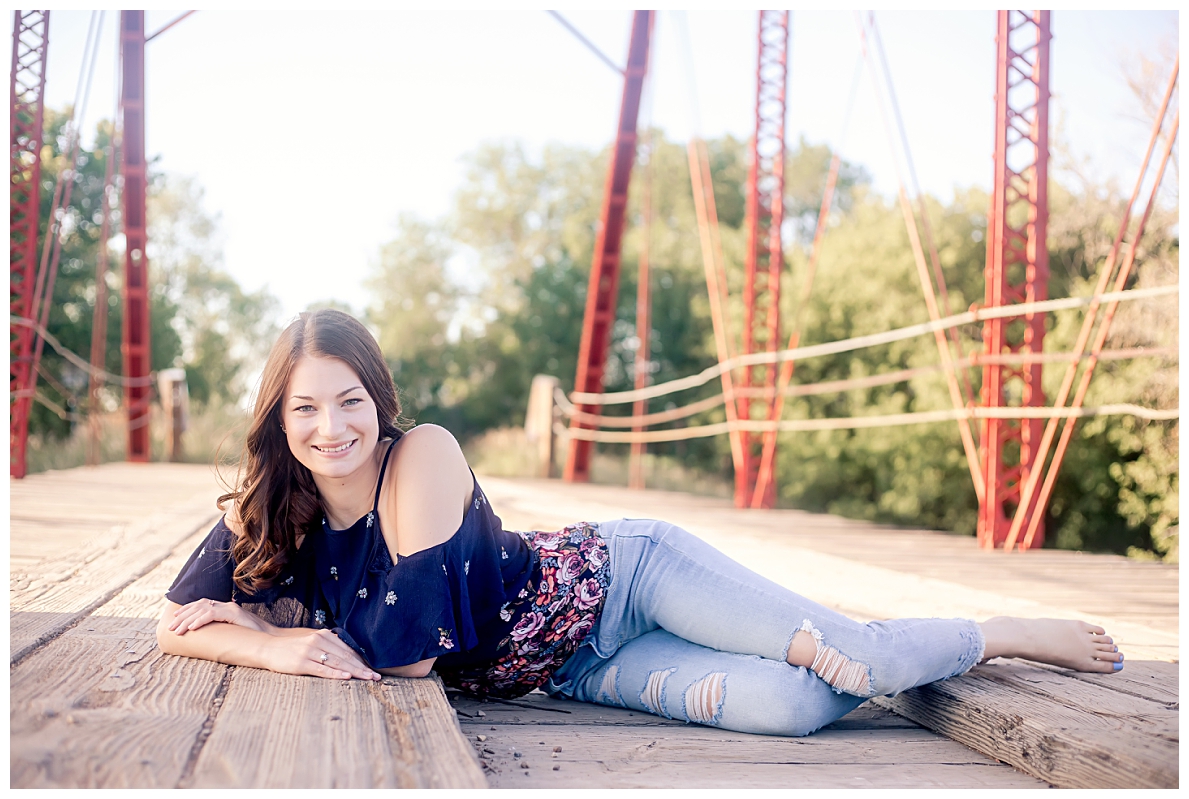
point(1060, 642)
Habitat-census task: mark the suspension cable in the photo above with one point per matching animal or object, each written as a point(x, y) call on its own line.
point(716, 289)
point(870, 340)
point(570, 410)
point(968, 443)
point(78, 360)
point(590, 45)
point(968, 392)
point(861, 422)
point(65, 177)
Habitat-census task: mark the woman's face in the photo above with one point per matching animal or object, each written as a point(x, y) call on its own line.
point(330, 420)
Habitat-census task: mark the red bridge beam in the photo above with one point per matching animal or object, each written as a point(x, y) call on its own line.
point(765, 253)
point(603, 290)
point(30, 39)
point(1017, 266)
point(135, 345)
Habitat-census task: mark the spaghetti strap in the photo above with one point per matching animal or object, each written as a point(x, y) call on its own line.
point(380, 480)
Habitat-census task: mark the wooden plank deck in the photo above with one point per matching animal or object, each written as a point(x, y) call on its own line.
point(543, 742)
point(94, 703)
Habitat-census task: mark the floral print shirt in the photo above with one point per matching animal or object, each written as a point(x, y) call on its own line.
point(550, 617)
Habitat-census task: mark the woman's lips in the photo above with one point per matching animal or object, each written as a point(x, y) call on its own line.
point(336, 449)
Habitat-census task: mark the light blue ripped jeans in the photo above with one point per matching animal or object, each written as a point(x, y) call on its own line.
point(689, 634)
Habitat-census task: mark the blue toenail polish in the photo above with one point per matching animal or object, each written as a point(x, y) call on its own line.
point(1116, 649)
point(1118, 667)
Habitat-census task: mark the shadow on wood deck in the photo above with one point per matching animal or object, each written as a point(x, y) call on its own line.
point(94, 703)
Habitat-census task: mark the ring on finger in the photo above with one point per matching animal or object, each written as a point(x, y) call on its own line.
point(325, 657)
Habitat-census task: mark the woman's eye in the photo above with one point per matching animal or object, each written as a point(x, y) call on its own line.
point(353, 401)
point(304, 408)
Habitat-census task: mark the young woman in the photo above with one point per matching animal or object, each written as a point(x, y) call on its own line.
point(351, 549)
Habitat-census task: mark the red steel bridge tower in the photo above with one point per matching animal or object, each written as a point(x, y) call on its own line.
point(30, 38)
point(603, 290)
point(1017, 268)
point(765, 254)
point(135, 347)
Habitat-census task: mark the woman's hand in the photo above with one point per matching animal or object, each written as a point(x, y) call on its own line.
point(202, 612)
point(317, 653)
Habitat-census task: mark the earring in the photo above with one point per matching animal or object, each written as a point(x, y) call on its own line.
point(283, 430)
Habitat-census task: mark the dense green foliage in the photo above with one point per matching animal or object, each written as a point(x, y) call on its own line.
point(200, 317)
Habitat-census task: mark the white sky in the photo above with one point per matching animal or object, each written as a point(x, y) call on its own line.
point(312, 130)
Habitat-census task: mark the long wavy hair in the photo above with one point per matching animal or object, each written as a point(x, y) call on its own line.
point(275, 496)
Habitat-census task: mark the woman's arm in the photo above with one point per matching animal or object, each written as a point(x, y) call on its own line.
point(296, 651)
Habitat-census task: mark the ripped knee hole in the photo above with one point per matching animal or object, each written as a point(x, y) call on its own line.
point(703, 698)
point(839, 671)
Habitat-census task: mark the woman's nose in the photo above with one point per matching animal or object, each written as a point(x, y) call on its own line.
point(329, 423)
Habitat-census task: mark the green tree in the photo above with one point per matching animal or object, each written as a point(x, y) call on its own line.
point(414, 307)
point(200, 318)
point(225, 331)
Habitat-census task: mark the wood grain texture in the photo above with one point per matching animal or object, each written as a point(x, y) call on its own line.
point(540, 710)
point(68, 587)
point(286, 731)
point(1071, 733)
point(101, 707)
point(607, 747)
point(84, 534)
point(633, 774)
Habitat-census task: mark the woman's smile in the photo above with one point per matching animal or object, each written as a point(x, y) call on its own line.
point(334, 449)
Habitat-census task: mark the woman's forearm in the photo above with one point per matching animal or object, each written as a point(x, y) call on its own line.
point(221, 632)
point(222, 643)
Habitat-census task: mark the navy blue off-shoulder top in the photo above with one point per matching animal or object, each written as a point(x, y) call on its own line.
point(499, 610)
point(440, 601)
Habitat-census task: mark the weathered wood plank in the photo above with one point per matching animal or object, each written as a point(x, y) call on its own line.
point(545, 711)
point(699, 744)
point(101, 707)
point(1153, 680)
point(627, 774)
point(68, 586)
point(692, 756)
point(1068, 732)
point(609, 747)
point(81, 535)
point(285, 731)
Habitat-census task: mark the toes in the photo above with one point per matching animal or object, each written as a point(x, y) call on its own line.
point(1093, 629)
point(1103, 639)
point(1104, 667)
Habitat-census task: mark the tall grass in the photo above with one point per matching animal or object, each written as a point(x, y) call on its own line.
point(215, 428)
point(506, 452)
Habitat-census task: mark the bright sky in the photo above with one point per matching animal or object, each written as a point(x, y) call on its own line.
point(311, 131)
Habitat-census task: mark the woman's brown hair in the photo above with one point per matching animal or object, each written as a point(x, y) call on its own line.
point(275, 497)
